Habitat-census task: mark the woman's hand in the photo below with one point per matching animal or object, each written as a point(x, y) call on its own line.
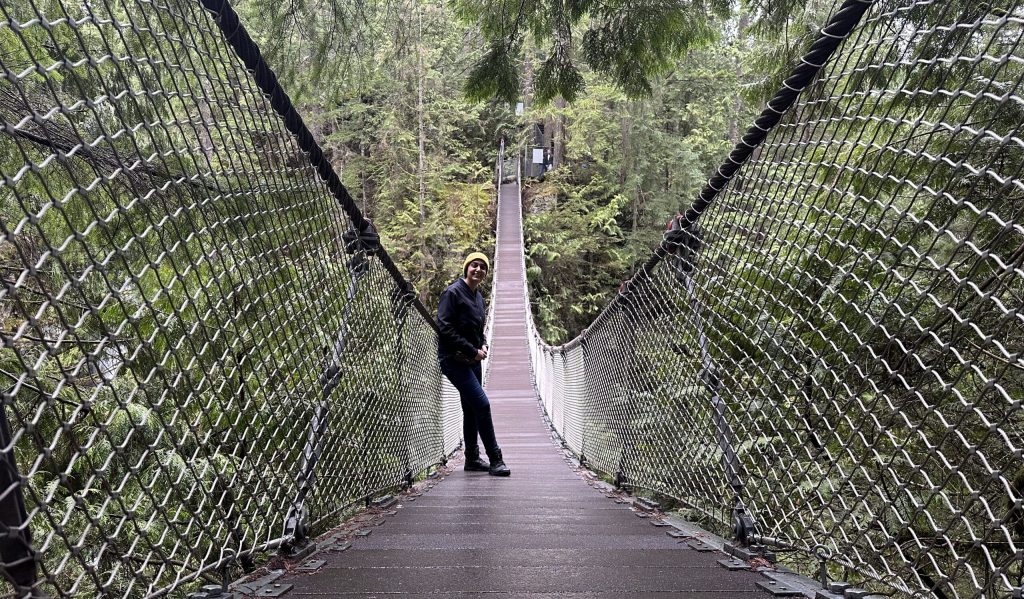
point(481, 354)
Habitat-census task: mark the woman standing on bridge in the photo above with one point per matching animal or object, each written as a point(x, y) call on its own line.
point(461, 349)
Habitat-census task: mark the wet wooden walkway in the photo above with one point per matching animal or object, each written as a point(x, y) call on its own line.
point(542, 533)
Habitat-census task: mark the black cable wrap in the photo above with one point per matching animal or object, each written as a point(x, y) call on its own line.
point(247, 50)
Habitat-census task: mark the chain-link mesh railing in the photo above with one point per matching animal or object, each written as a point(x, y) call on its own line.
point(198, 362)
point(836, 351)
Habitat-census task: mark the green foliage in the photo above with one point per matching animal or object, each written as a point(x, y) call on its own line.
point(626, 41)
point(573, 254)
point(457, 222)
point(495, 75)
point(780, 33)
point(370, 128)
point(633, 163)
point(630, 42)
point(310, 42)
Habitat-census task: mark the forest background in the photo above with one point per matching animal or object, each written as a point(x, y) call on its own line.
point(384, 88)
point(638, 102)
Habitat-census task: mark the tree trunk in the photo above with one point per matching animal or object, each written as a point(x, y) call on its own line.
point(548, 138)
point(626, 167)
point(527, 150)
point(363, 154)
point(559, 134)
point(626, 128)
point(421, 169)
point(421, 166)
point(734, 127)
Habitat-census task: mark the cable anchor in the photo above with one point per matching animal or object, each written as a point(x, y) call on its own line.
point(361, 244)
point(682, 242)
point(744, 528)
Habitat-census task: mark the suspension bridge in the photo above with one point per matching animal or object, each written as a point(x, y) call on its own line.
point(216, 379)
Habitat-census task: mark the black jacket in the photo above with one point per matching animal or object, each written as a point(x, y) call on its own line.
point(460, 316)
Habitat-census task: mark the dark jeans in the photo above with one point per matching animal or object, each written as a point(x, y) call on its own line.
point(476, 408)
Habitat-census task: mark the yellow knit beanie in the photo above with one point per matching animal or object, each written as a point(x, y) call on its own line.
point(475, 256)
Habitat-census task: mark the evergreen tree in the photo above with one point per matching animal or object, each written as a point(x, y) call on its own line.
point(628, 41)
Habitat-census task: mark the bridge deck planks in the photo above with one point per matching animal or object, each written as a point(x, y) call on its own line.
point(543, 533)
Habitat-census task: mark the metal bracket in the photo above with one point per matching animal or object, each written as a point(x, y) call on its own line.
point(823, 555)
point(385, 501)
point(682, 242)
point(296, 551)
point(275, 589)
point(212, 591)
point(777, 589)
point(366, 241)
point(360, 245)
point(646, 504)
point(251, 587)
point(749, 552)
point(295, 523)
point(733, 564)
point(835, 590)
point(311, 565)
point(698, 545)
point(855, 593)
point(839, 587)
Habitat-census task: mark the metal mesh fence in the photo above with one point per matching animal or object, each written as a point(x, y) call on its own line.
point(837, 346)
point(197, 363)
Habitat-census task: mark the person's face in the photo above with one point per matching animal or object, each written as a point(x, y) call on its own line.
point(476, 271)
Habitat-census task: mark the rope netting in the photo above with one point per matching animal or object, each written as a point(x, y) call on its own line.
point(830, 349)
point(206, 354)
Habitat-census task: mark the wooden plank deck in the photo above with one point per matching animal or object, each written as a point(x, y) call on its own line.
point(543, 532)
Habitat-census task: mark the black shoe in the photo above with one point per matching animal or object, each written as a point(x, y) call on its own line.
point(476, 465)
point(498, 467)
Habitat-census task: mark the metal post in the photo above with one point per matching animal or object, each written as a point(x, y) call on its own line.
point(296, 524)
point(682, 243)
point(17, 556)
point(709, 376)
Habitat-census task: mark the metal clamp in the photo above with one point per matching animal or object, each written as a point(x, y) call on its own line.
point(743, 525)
point(365, 240)
point(682, 242)
point(823, 554)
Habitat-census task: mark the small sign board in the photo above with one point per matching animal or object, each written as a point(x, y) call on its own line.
point(538, 155)
point(519, 108)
